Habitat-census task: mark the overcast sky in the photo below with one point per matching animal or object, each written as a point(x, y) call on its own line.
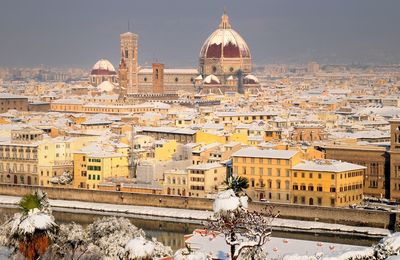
point(67, 33)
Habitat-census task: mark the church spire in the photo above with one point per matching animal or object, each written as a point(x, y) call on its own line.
point(225, 21)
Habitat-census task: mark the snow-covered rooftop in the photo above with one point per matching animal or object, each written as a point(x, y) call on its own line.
point(274, 154)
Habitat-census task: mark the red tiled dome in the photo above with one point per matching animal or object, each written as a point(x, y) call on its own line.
point(225, 42)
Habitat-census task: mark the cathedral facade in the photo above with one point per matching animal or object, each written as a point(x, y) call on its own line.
point(225, 64)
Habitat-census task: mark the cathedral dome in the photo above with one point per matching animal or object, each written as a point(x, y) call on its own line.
point(224, 52)
point(103, 67)
point(224, 43)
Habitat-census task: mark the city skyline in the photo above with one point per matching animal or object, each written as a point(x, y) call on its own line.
point(67, 34)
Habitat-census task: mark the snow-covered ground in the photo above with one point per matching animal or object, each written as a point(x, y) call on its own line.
point(281, 248)
point(192, 216)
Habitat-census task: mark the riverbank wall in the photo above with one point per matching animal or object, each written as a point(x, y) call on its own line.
point(345, 216)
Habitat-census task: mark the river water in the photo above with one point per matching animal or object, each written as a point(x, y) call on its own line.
point(171, 233)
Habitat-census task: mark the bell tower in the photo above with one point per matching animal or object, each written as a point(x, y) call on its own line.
point(129, 52)
point(158, 78)
point(122, 77)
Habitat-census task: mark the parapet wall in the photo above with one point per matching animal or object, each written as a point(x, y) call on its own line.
point(354, 217)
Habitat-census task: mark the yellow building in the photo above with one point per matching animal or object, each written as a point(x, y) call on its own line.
point(243, 117)
point(176, 183)
point(34, 159)
point(268, 172)
point(202, 153)
point(205, 179)
point(55, 156)
point(327, 183)
point(94, 164)
point(208, 137)
point(165, 149)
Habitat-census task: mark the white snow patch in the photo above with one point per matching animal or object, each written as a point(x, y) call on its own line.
point(211, 78)
point(36, 220)
point(139, 248)
point(227, 200)
point(184, 254)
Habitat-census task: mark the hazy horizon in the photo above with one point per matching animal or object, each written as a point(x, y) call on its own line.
point(77, 33)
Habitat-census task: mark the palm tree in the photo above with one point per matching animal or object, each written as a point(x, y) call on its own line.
point(238, 184)
point(33, 228)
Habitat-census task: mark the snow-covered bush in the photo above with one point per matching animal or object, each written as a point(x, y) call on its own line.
point(388, 246)
point(111, 234)
point(71, 243)
point(65, 178)
point(139, 248)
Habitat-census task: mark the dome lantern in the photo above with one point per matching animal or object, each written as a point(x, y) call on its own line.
point(225, 21)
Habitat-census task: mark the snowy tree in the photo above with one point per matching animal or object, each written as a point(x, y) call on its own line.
point(111, 235)
point(33, 229)
point(72, 242)
point(245, 232)
point(238, 184)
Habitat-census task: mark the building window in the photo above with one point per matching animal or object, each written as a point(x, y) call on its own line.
point(332, 189)
point(261, 170)
point(319, 188)
point(332, 176)
point(243, 170)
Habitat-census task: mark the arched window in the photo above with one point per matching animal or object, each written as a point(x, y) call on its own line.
point(310, 187)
